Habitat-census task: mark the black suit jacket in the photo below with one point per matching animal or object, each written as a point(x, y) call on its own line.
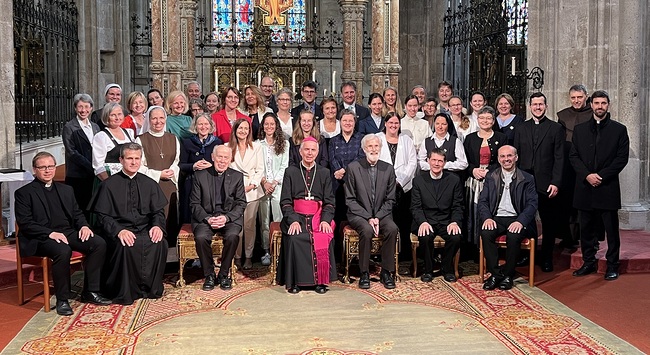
point(295, 113)
point(202, 196)
point(33, 214)
point(472, 147)
point(442, 208)
point(367, 125)
point(545, 161)
point(78, 149)
point(358, 190)
point(361, 112)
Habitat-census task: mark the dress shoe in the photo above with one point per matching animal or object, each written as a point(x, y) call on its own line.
point(585, 269)
point(320, 289)
point(225, 282)
point(248, 264)
point(364, 281)
point(293, 289)
point(426, 277)
point(611, 274)
point(208, 284)
point(523, 261)
point(506, 283)
point(63, 308)
point(547, 266)
point(386, 279)
point(266, 259)
point(94, 298)
point(238, 263)
point(450, 277)
point(491, 283)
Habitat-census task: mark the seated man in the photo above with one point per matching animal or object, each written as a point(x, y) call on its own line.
point(52, 225)
point(217, 202)
point(307, 203)
point(370, 196)
point(130, 208)
point(507, 205)
point(437, 207)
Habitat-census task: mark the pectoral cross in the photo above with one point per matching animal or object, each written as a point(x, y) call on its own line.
point(309, 197)
point(162, 156)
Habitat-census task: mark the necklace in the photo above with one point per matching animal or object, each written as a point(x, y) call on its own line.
point(309, 196)
point(162, 155)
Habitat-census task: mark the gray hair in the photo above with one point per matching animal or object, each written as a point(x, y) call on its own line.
point(83, 98)
point(579, 87)
point(284, 90)
point(108, 108)
point(193, 83)
point(196, 119)
point(487, 109)
point(367, 138)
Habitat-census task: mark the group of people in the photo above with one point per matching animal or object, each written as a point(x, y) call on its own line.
point(425, 165)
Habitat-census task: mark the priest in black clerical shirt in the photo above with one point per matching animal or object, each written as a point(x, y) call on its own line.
point(130, 208)
point(52, 225)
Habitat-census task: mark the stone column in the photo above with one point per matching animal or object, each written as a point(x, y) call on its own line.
point(166, 62)
point(187, 9)
point(7, 92)
point(353, 11)
point(385, 67)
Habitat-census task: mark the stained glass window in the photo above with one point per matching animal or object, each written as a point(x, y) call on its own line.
point(517, 13)
point(236, 16)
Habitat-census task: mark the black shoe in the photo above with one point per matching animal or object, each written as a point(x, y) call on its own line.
point(523, 261)
point(94, 298)
point(225, 282)
point(364, 281)
point(320, 289)
point(585, 269)
point(506, 283)
point(450, 277)
point(210, 281)
point(611, 274)
point(293, 289)
point(386, 278)
point(491, 283)
point(63, 308)
point(426, 277)
point(547, 266)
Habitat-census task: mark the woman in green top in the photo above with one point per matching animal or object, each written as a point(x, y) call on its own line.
point(178, 123)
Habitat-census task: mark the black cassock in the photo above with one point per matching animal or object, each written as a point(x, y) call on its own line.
point(299, 261)
point(135, 204)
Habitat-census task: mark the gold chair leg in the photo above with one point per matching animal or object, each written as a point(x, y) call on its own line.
point(46, 284)
point(481, 260)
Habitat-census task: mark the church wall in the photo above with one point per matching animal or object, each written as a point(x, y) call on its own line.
point(7, 93)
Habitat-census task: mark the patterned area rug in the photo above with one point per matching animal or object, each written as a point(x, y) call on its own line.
point(256, 318)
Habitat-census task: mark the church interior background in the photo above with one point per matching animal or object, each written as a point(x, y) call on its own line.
point(63, 47)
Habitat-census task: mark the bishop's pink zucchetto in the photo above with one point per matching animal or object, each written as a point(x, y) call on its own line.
point(310, 139)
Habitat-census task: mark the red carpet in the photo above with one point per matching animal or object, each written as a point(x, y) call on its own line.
point(635, 253)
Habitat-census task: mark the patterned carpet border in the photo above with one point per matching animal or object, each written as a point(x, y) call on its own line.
point(525, 320)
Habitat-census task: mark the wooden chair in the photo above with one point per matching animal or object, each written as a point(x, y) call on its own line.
point(186, 247)
point(351, 250)
point(45, 263)
point(526, 244)
point(275, 238)
point(438, 243)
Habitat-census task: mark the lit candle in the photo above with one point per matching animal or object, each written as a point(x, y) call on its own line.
point(313, 76)
point(324, 93)
point(307, 55)
point(216, 80)
point(314, 10)
point(259, 78)
point(293, 81)
point(333, 82)
point(513, 66)
point(277, 53)
point(247, 52)
point(237, 79)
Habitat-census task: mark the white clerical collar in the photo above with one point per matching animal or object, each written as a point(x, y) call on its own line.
point(307, 167)
point(507, 174)
point(434, 177)
point(127, 174)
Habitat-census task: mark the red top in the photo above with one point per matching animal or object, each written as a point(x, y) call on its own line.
point(484, 155)
point(222, 123)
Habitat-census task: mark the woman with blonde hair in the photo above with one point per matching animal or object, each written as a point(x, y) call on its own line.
point(136, 103)
point(247, 158)
point(506, 121)
point(392, 102)
point(254, 106)
point(212, 102)
point(462, 123)
point(178, 123)
point(307, 127)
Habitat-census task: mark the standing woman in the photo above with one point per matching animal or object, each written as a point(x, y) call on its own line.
point(197, 107)
point(392, 102)
point(253, 105)
point(107, 142)
point(155, 98)
point(444, 137)
point(178, 123)
point(506, 120)
point(481, 148)
point(398, 150)
point(77, 137)
point(307, 127)
point(196, 154)
point(212, 103)
point(249, 160)
point(287, 122)
point(226, 117)
point(413, 122)
point(476, 102)
point(329, 125)
point(275, 149)
point(463, 125)
point(375, 122)
point(160, 156)
point(137, 105)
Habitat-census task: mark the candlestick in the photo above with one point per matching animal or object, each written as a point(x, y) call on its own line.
point(259, 78)
point(293, 81)
point(325, 93)
point(216, 80)
point(313, 76)
point(513, 66)
point(237, 79)
point(333, 82)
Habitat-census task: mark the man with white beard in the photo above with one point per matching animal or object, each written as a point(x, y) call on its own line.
point(370, 196)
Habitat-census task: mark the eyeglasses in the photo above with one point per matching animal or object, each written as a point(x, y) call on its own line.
point(284, 99)
point(46, 167)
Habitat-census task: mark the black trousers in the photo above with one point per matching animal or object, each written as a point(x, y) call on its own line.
point(491, 250)
point(94, 250)
point(452, 243)
point(203, 239)
point(549, 209)
point(388, 230)
point(83, 190)
point(590, 231)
